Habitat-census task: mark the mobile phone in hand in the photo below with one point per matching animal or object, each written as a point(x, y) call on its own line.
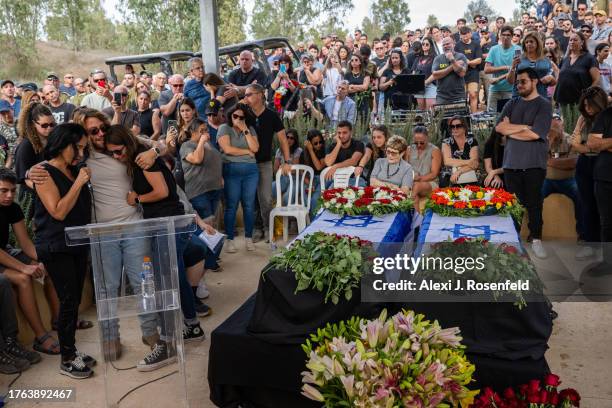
point(173, 124)
point(117, 97)
point(283, 68)
point(517, 53)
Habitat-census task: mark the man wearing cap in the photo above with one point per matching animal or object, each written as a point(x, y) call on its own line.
point(247, 74)
point(564, 34)
point(7, 93)
point(8, 135)
point(62, 111)
point(68, 86)
point(602, 29)
point(482, 22)
point(81, 92)
point(101, 98)
point(214, 119)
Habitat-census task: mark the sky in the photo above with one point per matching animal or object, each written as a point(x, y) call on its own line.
point(447, 11)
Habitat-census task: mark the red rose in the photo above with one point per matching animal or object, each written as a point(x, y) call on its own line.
point(544, 396)
point(533, 398)
point(553, 398)
point(342, 200)
point(509, 393)
point(384, 201)
point(509, 249)
point(550, 379)
point(460, 240)
point(523, 390)
point(459, 205)
point(479, 203)
point(534, 386)
point(571, 395)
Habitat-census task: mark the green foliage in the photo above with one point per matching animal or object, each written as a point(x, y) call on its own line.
point(432, 20)
point(371, 27)
point(20, 23)
point(328, 263)
point(525, 5)
point(392, 15)
point(479, 7)
point(570, 114)
point(289, 18)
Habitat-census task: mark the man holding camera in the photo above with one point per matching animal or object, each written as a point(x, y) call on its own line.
point(101, 98)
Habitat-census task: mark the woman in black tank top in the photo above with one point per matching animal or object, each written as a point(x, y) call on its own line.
point(65, 202)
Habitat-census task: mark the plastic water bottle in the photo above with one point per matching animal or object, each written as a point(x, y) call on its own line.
point(147, 284)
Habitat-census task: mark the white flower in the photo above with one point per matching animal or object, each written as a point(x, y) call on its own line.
point(443, 194)
point(488, 196)
point(348, 205)
point(332, 201)
point(349, 193)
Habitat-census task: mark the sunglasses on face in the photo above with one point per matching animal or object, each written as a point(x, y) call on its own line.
point(586, 31)
point(178, 85)
point(318, 143)
point(95, 131)
point(237, 117)
point(516, 35)
point(117, 152)
point(290, 138)
point(456, 126)
point(46, 125)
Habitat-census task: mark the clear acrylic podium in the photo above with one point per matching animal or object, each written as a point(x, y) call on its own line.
point(124, 315)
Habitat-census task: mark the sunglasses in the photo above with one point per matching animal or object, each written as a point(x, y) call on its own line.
point(95, 131)
point(586, 30)
point(456, 126)
point(46, 125)
point(237, 117)
point(117, 152)
point(290, 138)
point(516, 35)
point(317, 143)
point(178, 85)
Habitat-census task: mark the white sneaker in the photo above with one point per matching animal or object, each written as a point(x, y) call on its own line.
point(585, 252)
point(250, 246)
point(538, 249)
point(230, 247)
point(202, 291)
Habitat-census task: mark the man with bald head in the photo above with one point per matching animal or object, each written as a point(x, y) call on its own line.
point(119, 114)
point(247, 74)
point(62, 111)
point(170, 99)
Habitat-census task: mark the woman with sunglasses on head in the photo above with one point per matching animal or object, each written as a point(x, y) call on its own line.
point(392, 170)
point(155, 190)
point(592, 102)
point(238, 142)
point(459, 154)
point(373, 151)
point(426, 160)
point(579, 70)
point(422, 65)
point(64, 201)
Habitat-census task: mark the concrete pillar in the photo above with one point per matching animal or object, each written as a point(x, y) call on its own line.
point(208, 35)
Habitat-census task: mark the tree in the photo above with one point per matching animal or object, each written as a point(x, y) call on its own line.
point(479, 7)
point(20, 23)
point(392, 15)
point(371, 28)
point(432, 20)
point(294, 19)
point(525, 5)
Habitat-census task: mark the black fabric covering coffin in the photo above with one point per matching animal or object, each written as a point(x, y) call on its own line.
point(281, 316)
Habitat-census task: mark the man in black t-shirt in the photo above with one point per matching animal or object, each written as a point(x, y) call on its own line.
point(344, 152)
point(565, 32)
point(600, 139)
point(62, 111)
point(473, 53)
point(247, 74)
point(267, 124)
point(20, 266)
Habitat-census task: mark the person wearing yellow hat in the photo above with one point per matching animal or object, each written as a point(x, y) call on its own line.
point(602, 28)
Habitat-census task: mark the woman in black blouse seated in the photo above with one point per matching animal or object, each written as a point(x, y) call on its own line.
point(63, 202)
point(459, 155)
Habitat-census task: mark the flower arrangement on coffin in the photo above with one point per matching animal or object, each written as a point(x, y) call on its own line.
point(474, 201)
point(365, 200)
point(501, 263)
point(531, 395)
point(329, 263)
point(401, 361)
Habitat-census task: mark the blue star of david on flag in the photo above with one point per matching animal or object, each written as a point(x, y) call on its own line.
point(463, 231)
point(358, 221)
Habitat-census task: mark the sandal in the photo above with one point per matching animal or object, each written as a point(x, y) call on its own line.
point(39, 341)
point(81, 325)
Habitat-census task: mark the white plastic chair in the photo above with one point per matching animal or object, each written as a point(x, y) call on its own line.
point(341, 177)
point(298, 205)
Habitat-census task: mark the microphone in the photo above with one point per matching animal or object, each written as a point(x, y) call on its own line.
point(81, 165)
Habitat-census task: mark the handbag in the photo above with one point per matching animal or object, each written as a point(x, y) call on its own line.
point(467, 177)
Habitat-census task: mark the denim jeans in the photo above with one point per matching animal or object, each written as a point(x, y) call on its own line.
point(196, 244)
point(124, 254)
point(568, 188)
point(586, 187)
point(206, 203)
point(284, 186)
point(241, 181)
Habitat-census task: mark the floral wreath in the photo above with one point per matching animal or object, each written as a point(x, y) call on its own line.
point(365, 200)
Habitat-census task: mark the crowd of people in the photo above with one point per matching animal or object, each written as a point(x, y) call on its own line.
point(148, 146)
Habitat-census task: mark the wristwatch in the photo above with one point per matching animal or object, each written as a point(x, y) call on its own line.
point(157, 151)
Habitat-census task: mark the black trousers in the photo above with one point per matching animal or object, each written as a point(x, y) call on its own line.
point(8, 318)
point(586, 187)
point(603, 194)
point(527, 185)
point(67, 271)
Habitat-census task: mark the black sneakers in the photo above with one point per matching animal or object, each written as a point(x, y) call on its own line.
point(18, 351)
point(193, 333)
point(202, 310)
point(10, 364)
point(159, 357)
point(88, 360)
point(75, 368)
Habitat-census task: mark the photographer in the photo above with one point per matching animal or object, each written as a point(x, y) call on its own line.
point(120, 114)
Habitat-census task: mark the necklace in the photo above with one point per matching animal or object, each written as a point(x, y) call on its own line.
point(394, 173)
point(356, 76)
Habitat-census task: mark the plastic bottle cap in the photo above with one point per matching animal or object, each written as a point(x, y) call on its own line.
point(147, 259)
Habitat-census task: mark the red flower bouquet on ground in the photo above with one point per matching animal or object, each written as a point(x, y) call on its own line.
point(364, 200)
point(535, 394)
point(473, 201)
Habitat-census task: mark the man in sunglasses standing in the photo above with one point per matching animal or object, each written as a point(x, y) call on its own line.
point(120, 114)
point(525, 122)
